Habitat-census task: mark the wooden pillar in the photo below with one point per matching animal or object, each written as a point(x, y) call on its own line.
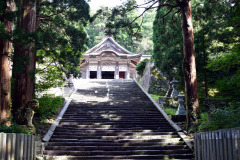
point(99, 72)
point(87, 71)
point(116, 71)
point(127, 76)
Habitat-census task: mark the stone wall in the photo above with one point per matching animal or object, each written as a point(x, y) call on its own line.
point(153, 81)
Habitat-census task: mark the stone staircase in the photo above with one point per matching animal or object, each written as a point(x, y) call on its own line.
point(114, 120)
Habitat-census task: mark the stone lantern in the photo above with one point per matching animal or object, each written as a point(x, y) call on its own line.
point(70, 80)
point(174, 85)
point(181, 110)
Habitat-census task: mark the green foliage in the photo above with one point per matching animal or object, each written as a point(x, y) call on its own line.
point(228, 65)
point(61, 37)
point(227, 117)
point(119, 23)
point(48, 106)
point(146, 45)
point(170, 106)
point(155, 96)
point(141, 66)
point(5, 14)
point(170, 110)
point(120, 28)
point(96, 29)
point(225, 63)
point(216, 34)
point(168, 44)
point(48, 76)
point(13, 128)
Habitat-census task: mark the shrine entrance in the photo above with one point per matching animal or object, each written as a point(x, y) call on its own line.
point(109, 60)
point(107, 74)
point(93, 74)
point(122, 75)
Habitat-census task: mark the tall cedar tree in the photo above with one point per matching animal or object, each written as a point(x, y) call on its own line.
point(55, 30)
point(24, 60)
point(8, 7)
point(189, 64)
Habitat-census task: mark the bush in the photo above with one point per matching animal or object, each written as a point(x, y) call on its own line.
point(13, 128)
point(228, 69)
point(228, 117)
point(48, 105)
point(171, 106)
point(141, 66)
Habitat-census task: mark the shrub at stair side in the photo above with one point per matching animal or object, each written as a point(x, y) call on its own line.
point(220, 118)
point(48, 105)
point(141, 66)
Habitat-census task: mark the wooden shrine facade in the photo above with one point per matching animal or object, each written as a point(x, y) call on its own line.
point(109, 60)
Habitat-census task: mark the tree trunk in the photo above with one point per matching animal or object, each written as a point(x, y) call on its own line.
point(189, 65)
point(5, 54)
point(24, 61)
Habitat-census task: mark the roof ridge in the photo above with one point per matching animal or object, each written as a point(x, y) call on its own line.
point(103, 41)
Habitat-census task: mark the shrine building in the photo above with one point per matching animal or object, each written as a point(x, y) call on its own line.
point(109, 60)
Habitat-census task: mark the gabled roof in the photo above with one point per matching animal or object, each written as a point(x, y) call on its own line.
point(108, 44)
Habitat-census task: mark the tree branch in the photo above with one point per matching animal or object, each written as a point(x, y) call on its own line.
point(148, 8)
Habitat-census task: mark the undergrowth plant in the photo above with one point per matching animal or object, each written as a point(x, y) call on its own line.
point(13, 128)
point(220, 118)
point(141, 66)
point(48, 105)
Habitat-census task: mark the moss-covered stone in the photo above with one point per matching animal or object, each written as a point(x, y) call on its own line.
point(153, 80)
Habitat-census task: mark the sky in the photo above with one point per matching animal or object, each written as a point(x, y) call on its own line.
point(95, 4)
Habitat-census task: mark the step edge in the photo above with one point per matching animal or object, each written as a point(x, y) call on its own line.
point(174, 125)
point(49, 134)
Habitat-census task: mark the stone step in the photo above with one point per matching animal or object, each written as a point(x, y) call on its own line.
point(128, 114)
point(128, 157)
point(118, 127)
point(71, 129)
point(115, 104)
point(112, 133)
point(151, 119)
point(116, 148)
point(119, 152)
point(125, 116)
point(113, 117)
point(112, 110)
point(107, 157)
point(113, 123)
point(99, 116)
point(114, 120)
point(122, 144)
point(70, 139)
point(138, 137)
point(91, 112)
point(67, 129)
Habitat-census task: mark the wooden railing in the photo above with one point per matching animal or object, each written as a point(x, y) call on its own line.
point(218, 145)
point(17, 147)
